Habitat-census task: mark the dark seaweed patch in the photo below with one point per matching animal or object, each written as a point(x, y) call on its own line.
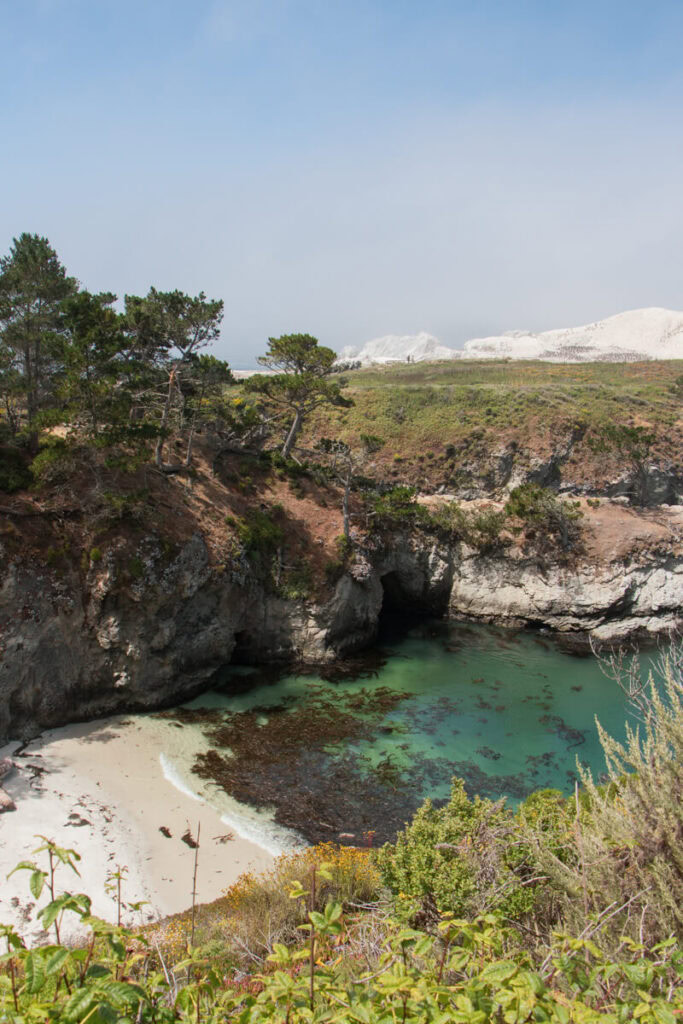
point(572, 737)
point(490, 753)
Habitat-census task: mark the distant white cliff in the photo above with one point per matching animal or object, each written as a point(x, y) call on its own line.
point(399, 348)
point(638, 334)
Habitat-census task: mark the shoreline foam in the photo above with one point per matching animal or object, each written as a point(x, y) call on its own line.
point(251, 825)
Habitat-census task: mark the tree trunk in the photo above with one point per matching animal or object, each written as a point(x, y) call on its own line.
point(293, 434)
point(159, 450)
point(345, 506)
point(188, 453)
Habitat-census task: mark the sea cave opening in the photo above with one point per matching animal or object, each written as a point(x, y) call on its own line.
point(403, 609)
point(244, 652)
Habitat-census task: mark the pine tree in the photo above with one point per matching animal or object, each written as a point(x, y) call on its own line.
point(33, 284)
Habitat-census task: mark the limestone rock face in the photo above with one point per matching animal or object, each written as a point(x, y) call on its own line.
point(76, 646)
point(507, 468)
point(609, 601)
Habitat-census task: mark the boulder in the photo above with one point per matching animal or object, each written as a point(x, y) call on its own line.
point(6, 801)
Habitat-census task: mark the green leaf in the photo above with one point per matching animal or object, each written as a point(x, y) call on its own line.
point(123, 992)
point(105, 1013)
point(498, 972)
point(23, 865)
point(34, 971)
point(662, 1013)
point(50, 912)
point(280, 954)
point(79, 1003)
point(97, 971)
point(423, 946)
point(36, 883)
point(57, 960)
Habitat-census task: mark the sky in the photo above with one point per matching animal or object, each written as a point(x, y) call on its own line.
point(352, 168)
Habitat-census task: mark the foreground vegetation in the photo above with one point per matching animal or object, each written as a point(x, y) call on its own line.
point(565, 910)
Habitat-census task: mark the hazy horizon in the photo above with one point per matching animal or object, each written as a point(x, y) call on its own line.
point(352, 169)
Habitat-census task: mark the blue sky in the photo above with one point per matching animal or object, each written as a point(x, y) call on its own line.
point(352, 169)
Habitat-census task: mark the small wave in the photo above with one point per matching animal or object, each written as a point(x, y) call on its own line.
point(172, 775)
point(264, 833)
point(247, 824)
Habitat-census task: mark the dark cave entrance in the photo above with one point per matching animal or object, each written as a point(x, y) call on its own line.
point(245, 651)
point(402, 609)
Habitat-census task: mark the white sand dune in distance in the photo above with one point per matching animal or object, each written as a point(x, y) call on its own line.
point(638, 334)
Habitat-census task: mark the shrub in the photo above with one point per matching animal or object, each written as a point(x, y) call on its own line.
point(54, 461)
point(297, 581)
point(258, 531)
point(456, 859)
point(539, 507)
point(480, 529)
point(631, 828)
point(135, 568)
point(398, 508)
point(120, 506)
point(336, 567)
point(256, 911)
point(485, 529)
point(340, 966)
point(290, 469)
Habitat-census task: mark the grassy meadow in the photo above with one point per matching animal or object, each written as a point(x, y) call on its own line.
point(437, 416)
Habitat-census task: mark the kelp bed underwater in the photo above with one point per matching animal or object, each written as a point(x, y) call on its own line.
point(350, 757)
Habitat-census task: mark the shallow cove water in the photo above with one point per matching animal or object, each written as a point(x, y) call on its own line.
point(352, 755)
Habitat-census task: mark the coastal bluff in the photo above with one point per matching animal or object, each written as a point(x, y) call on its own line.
point(78, 642)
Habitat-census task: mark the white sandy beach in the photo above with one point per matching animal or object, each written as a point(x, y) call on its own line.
point(99, 788)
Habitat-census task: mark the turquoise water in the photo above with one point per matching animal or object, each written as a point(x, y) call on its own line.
point(358, 751)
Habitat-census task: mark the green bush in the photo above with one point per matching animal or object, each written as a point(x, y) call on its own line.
point(480, 529)
point(398, 509)
point(296, 583)
point(485, 529)
point(120, 506)
point(336, 567)
point(258, 531)
point(54, 461)
point(328, 949)
point(457, 859)
point(135, 568)
point(538, 507)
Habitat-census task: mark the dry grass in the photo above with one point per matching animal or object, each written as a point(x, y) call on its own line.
point(242, 926)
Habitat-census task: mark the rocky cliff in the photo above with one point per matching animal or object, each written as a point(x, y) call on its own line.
point(76, 644)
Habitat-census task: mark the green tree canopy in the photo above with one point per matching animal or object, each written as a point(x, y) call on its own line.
point(170, 329)
point(301, 381)
point(33, 285)
point(102, 378)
